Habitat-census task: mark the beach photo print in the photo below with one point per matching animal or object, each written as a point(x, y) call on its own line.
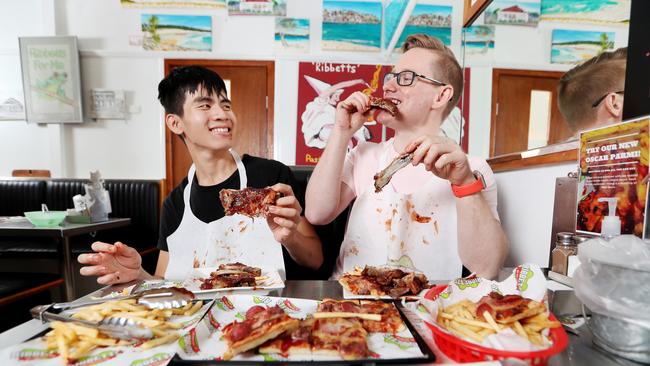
point(351, 26)
point(291, 35)
point(513, 12)
point(575, 46)
point(434, 20)
point(164, 32)
point(605, 12)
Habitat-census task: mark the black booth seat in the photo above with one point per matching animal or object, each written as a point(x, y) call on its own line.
point(331, 235)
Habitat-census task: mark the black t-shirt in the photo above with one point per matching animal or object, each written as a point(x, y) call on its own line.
point(206, 206)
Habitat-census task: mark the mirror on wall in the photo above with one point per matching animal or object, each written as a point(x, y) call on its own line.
point(516, 52)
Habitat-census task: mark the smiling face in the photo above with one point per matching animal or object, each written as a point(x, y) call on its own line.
point(207, 123)
point(420, 102)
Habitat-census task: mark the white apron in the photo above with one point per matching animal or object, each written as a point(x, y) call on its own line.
point(235, 238)
point(415, 231)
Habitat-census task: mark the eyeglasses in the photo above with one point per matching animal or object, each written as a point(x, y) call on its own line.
point(407, 77)
point(597, 102)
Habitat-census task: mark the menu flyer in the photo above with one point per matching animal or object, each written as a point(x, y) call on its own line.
point(614, 164)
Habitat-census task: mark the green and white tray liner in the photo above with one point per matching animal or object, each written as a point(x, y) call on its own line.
point(205, 341)
point(526, 280)
point(34, 352)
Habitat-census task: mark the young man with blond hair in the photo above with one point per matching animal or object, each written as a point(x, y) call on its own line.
point(435, 215)
point(591, 94)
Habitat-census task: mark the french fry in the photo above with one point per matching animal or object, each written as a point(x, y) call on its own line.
point(490, 320)
point(74, 341)
point(158, 341)
point(194, 308)
point(520, 330)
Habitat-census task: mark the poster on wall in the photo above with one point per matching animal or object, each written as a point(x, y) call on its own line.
point(291, 35)
point(321, 85)
point(257, 7)
point(513, 12)
point(51, 79)
point(614, 167)
point(352, 26)
point(164, 32)
point(12, 107)
point(478, 42)
point(575, 46)
point(605, 12)
point(434, 20)
point(216, 4)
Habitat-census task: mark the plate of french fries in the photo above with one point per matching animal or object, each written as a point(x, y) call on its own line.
point(74, 342)
point(498, 319)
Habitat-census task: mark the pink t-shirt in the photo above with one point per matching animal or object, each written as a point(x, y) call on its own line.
point(362, 163)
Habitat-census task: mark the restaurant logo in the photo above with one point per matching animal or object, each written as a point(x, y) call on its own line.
point(261, 300)
point(211, 323)
point(97, 359)
point(523, 274)
point(288, 306)
point(464, 283)
point(158, 359)
point(398, 341)
point(28, 354)
point(224, 304)
point(189, 344)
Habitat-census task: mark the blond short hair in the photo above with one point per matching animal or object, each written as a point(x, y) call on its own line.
point(581, 86)
point(445, 65)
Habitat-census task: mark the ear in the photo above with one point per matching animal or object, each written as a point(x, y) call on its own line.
point(174, 123)
point(614, 105)
point(443, 98)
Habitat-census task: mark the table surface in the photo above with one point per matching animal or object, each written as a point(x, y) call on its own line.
point(25, 228)
point(580, 351)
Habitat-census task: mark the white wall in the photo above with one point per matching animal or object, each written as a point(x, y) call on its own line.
point(526, 210)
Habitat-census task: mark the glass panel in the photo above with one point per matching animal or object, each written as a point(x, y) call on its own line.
point(539, 119)
point(227, 82)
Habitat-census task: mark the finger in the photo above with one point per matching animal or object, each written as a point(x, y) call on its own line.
point(432, 155)
point(445, 160)
point(109, 279)
point(285, 189)
point(125, 250)
point(421, 151)
point(287, 212)
point(414, 144)
point(89, 258)
point(285, 223)
point(93, 271)
point(287, 201)
point(99, 246)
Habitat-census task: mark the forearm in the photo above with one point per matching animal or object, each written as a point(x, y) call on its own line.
point(305, 249)
point(482, 244)
point(324, 189)
point(144, 275)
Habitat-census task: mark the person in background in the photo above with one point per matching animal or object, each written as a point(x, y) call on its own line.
point(193, 229)
point(591, 94)
point(435, 215)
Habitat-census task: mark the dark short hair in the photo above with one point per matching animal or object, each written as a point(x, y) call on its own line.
point(172, 89)
point(445, 66)
point(585, 83)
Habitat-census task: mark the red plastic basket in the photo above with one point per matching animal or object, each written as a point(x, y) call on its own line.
point(463, 351)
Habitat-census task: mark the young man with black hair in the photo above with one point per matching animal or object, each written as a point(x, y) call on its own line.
point(194, 231)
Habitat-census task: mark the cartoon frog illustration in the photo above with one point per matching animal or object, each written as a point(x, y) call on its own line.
point(53, 85)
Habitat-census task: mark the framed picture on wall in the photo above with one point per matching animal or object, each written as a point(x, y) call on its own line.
point(51, 79)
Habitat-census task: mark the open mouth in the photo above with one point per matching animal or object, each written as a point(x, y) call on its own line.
point(220, 130)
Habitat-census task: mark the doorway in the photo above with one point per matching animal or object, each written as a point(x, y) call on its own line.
point(250, 85)
point(525, 114)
